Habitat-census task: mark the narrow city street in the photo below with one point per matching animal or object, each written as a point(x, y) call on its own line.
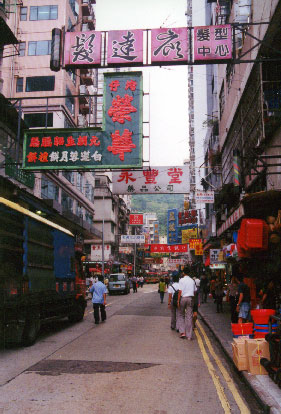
point(132, 363)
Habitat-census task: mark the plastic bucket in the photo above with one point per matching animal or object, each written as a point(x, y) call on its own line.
point(242, 328)
point(261, 316)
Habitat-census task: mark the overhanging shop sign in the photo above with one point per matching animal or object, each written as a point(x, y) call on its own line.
point(205, 197)
point(165, 248)
point(167, 46)
point(118, 145)
point(231, 220)
point(133, 238)
point(154, 180)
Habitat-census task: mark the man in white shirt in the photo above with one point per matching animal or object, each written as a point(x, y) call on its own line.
point(185, 304)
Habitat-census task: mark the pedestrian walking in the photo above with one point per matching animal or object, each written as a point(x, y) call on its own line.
point(185, 304)
point(172, 289)
point(244, 301)
point(219, 292)
point(196, 304)
point(134, 282)
point(98, 291)
point(213, 288)
point(162, 289)
point(204, 288)
point(232, 298)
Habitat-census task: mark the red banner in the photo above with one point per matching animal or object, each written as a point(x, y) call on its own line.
point(136, 219)
point(166, 248)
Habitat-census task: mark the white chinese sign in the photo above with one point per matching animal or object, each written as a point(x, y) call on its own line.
point(205, 197)
point(133, 238)
point(125, 250)
point(96, 252)
point(153, 180)
point(176, 261)
point(216, 256)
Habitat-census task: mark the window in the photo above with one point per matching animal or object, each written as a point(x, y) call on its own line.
point(72, 74)
point(112, 228)
point(72, 5)
point(38, 120)
point(69, 175)
point(66, 202)
point(222, 100)
point(49, 190)
point(40, 48)
point(19, 87)
point(43, 13)
point(40, 83)
point(22, 49)
point(79, 182)
point(69, 101)
point(23, 13)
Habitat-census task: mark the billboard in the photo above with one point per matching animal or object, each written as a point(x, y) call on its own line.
point(118, 145)
point(152, 180)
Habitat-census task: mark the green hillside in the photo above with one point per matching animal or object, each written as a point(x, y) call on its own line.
point(159, 204)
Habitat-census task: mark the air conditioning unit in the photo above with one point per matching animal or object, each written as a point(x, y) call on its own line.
point(83, 90)
point(82, 122)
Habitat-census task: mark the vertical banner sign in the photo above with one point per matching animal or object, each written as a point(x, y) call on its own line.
point(125, 47)
point(82, 48)
point(172, 226)
point(118, 145)
point(169, 45)
point(156, 232)
point(212, 43)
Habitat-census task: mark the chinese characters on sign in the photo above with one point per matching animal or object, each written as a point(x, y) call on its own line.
point(156, 232)
point(130, 47)
point(165, 248)
point(118, 146)
point(216, 256)
point(125, 46)
point(168, 180)
point(172, 226)
point(194, 242)
point(188, 234)
point(136, 219)
point(82, 48)
point(212, 43)
point(133, 238)
point(205, 197)
point(169, 45)
point(96, 252)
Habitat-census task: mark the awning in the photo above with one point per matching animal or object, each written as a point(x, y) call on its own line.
point(7, 37)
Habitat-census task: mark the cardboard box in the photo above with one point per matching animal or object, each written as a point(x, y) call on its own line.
point(240, 356)
point(257, 349)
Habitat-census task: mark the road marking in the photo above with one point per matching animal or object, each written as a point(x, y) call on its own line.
point(215, 378)
point(241, 405)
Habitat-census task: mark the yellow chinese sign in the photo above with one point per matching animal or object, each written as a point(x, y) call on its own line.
point(198, 249)
point(188, 234)
point(194, 242)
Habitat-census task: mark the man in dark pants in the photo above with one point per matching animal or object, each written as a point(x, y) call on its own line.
point(98, 291)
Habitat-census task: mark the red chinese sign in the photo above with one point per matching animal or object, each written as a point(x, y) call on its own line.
point(118, 146)
point(136, 219)
point(212, 43)
point(166, 248)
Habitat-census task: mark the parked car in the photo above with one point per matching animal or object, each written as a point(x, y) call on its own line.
point(118, 282)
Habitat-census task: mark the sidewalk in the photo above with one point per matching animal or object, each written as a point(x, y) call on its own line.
point(262, 386)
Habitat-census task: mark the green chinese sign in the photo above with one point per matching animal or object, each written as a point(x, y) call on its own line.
point(117, 145)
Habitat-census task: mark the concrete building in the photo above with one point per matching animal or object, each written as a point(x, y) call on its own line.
point(46, 99)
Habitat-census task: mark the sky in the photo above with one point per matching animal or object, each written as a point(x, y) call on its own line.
point(167, 86)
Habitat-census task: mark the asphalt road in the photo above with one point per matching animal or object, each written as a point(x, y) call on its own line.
point(133, 363)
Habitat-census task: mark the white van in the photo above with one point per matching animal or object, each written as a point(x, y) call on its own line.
point(118, 282)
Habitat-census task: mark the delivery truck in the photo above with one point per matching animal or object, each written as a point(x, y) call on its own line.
point(41, 274)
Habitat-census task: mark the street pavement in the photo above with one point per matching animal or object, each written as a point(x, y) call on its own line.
point(261, 385)
point(133, 363)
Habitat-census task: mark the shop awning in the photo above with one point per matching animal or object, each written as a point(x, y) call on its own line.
point(7, 37)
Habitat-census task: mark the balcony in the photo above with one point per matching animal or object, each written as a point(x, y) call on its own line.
point(82, 121)
point(84, 108)
point(86, 7)
point(89, 21)
point(86, 77)
point(83, 91)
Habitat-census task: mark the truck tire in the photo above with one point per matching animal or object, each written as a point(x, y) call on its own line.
point(77, 313)
point(30, 331)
